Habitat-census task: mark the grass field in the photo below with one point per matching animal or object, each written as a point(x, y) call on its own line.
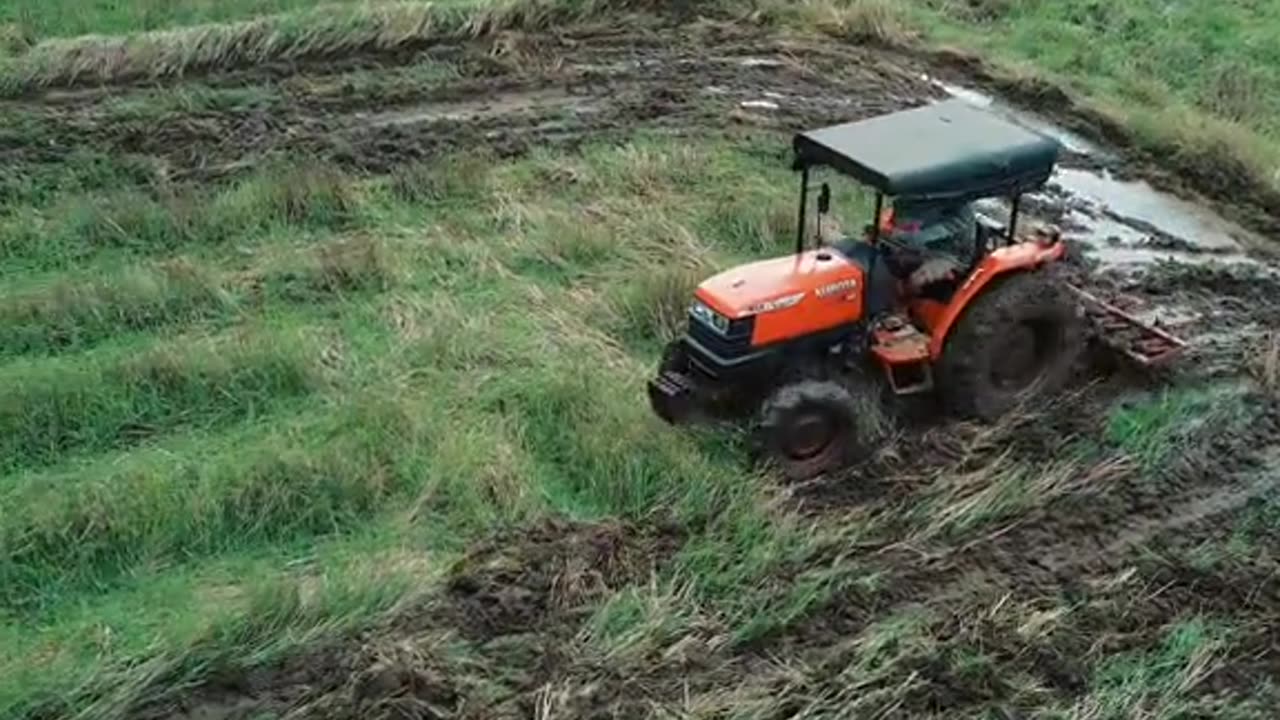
point(317, 398)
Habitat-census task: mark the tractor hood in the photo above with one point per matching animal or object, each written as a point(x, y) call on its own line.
point(779, 283)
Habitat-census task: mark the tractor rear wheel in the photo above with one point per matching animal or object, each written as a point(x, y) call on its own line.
point(1019, 338)
point(814, 426)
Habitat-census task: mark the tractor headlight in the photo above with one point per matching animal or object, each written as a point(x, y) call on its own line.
point(704, 314)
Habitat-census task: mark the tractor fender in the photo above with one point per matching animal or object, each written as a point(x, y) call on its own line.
point(998, 263)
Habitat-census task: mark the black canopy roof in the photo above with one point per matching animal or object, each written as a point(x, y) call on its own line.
point(949, 149)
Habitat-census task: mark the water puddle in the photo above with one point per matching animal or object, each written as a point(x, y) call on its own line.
point(1130, 223)
point(1124, 224)
point(1141, 206)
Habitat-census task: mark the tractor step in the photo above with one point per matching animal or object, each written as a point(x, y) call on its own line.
point(903, 351)
point(1140, 341)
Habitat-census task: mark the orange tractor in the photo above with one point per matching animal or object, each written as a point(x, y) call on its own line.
point(810, 344)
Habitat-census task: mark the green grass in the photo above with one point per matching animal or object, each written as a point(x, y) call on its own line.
point(485, 370)
point(120, 397)
point(1155, 682)
point(1151, 52)
point(176, 625)
point(65, 312)
point(30, 21)
point(282, 200)
point(276, 480)
point(1154, 429)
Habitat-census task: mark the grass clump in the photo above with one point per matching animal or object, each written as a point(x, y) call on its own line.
point(458, 177)
point(76, 312)
point(859, 21)
point(297, 197)
point(303, 195)
point(655, 309)
point(1159, 681)
point(331, 30)
point(116, 399)
point(1152, 430)
point(1265, 365)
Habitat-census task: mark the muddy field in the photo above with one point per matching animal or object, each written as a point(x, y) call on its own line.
point(1002, 620)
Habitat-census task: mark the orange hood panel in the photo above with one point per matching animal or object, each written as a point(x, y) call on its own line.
point(735, 292)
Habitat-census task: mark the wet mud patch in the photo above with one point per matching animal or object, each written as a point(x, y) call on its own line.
point(517, 583)
point(500, 630)
point(1226, 312)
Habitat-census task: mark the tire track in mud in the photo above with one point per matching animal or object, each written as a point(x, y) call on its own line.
point(516, 601)
point(1077, 556)
point(546, 89)
point(1092, 516)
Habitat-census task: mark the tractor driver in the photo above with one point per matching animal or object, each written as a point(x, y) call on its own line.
point(934, 239)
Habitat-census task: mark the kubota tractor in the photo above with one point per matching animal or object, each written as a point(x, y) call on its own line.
point(808, 344)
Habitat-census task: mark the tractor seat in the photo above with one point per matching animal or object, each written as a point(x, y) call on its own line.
point(882, 285)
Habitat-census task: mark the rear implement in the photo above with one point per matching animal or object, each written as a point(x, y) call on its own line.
point(1139, 341)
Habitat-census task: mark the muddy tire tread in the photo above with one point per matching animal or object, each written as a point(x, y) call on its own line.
point(964, 374)
point(787, 399)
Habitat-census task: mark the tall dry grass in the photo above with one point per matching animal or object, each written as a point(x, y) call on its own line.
point(326, 31)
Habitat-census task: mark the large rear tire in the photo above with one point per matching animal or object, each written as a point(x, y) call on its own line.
point(815, 426)
point(1020, 338)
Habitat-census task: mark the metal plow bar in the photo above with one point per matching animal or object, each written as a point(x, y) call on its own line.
point(1140, 341)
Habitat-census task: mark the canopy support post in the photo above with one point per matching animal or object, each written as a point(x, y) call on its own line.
point(875, 221)
point(804, 206)
point(1013, 217)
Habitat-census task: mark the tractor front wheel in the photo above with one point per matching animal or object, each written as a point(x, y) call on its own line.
point(810, 427)
point(1020, 337)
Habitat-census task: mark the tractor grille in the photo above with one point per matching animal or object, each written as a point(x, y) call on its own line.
point(735, 343)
